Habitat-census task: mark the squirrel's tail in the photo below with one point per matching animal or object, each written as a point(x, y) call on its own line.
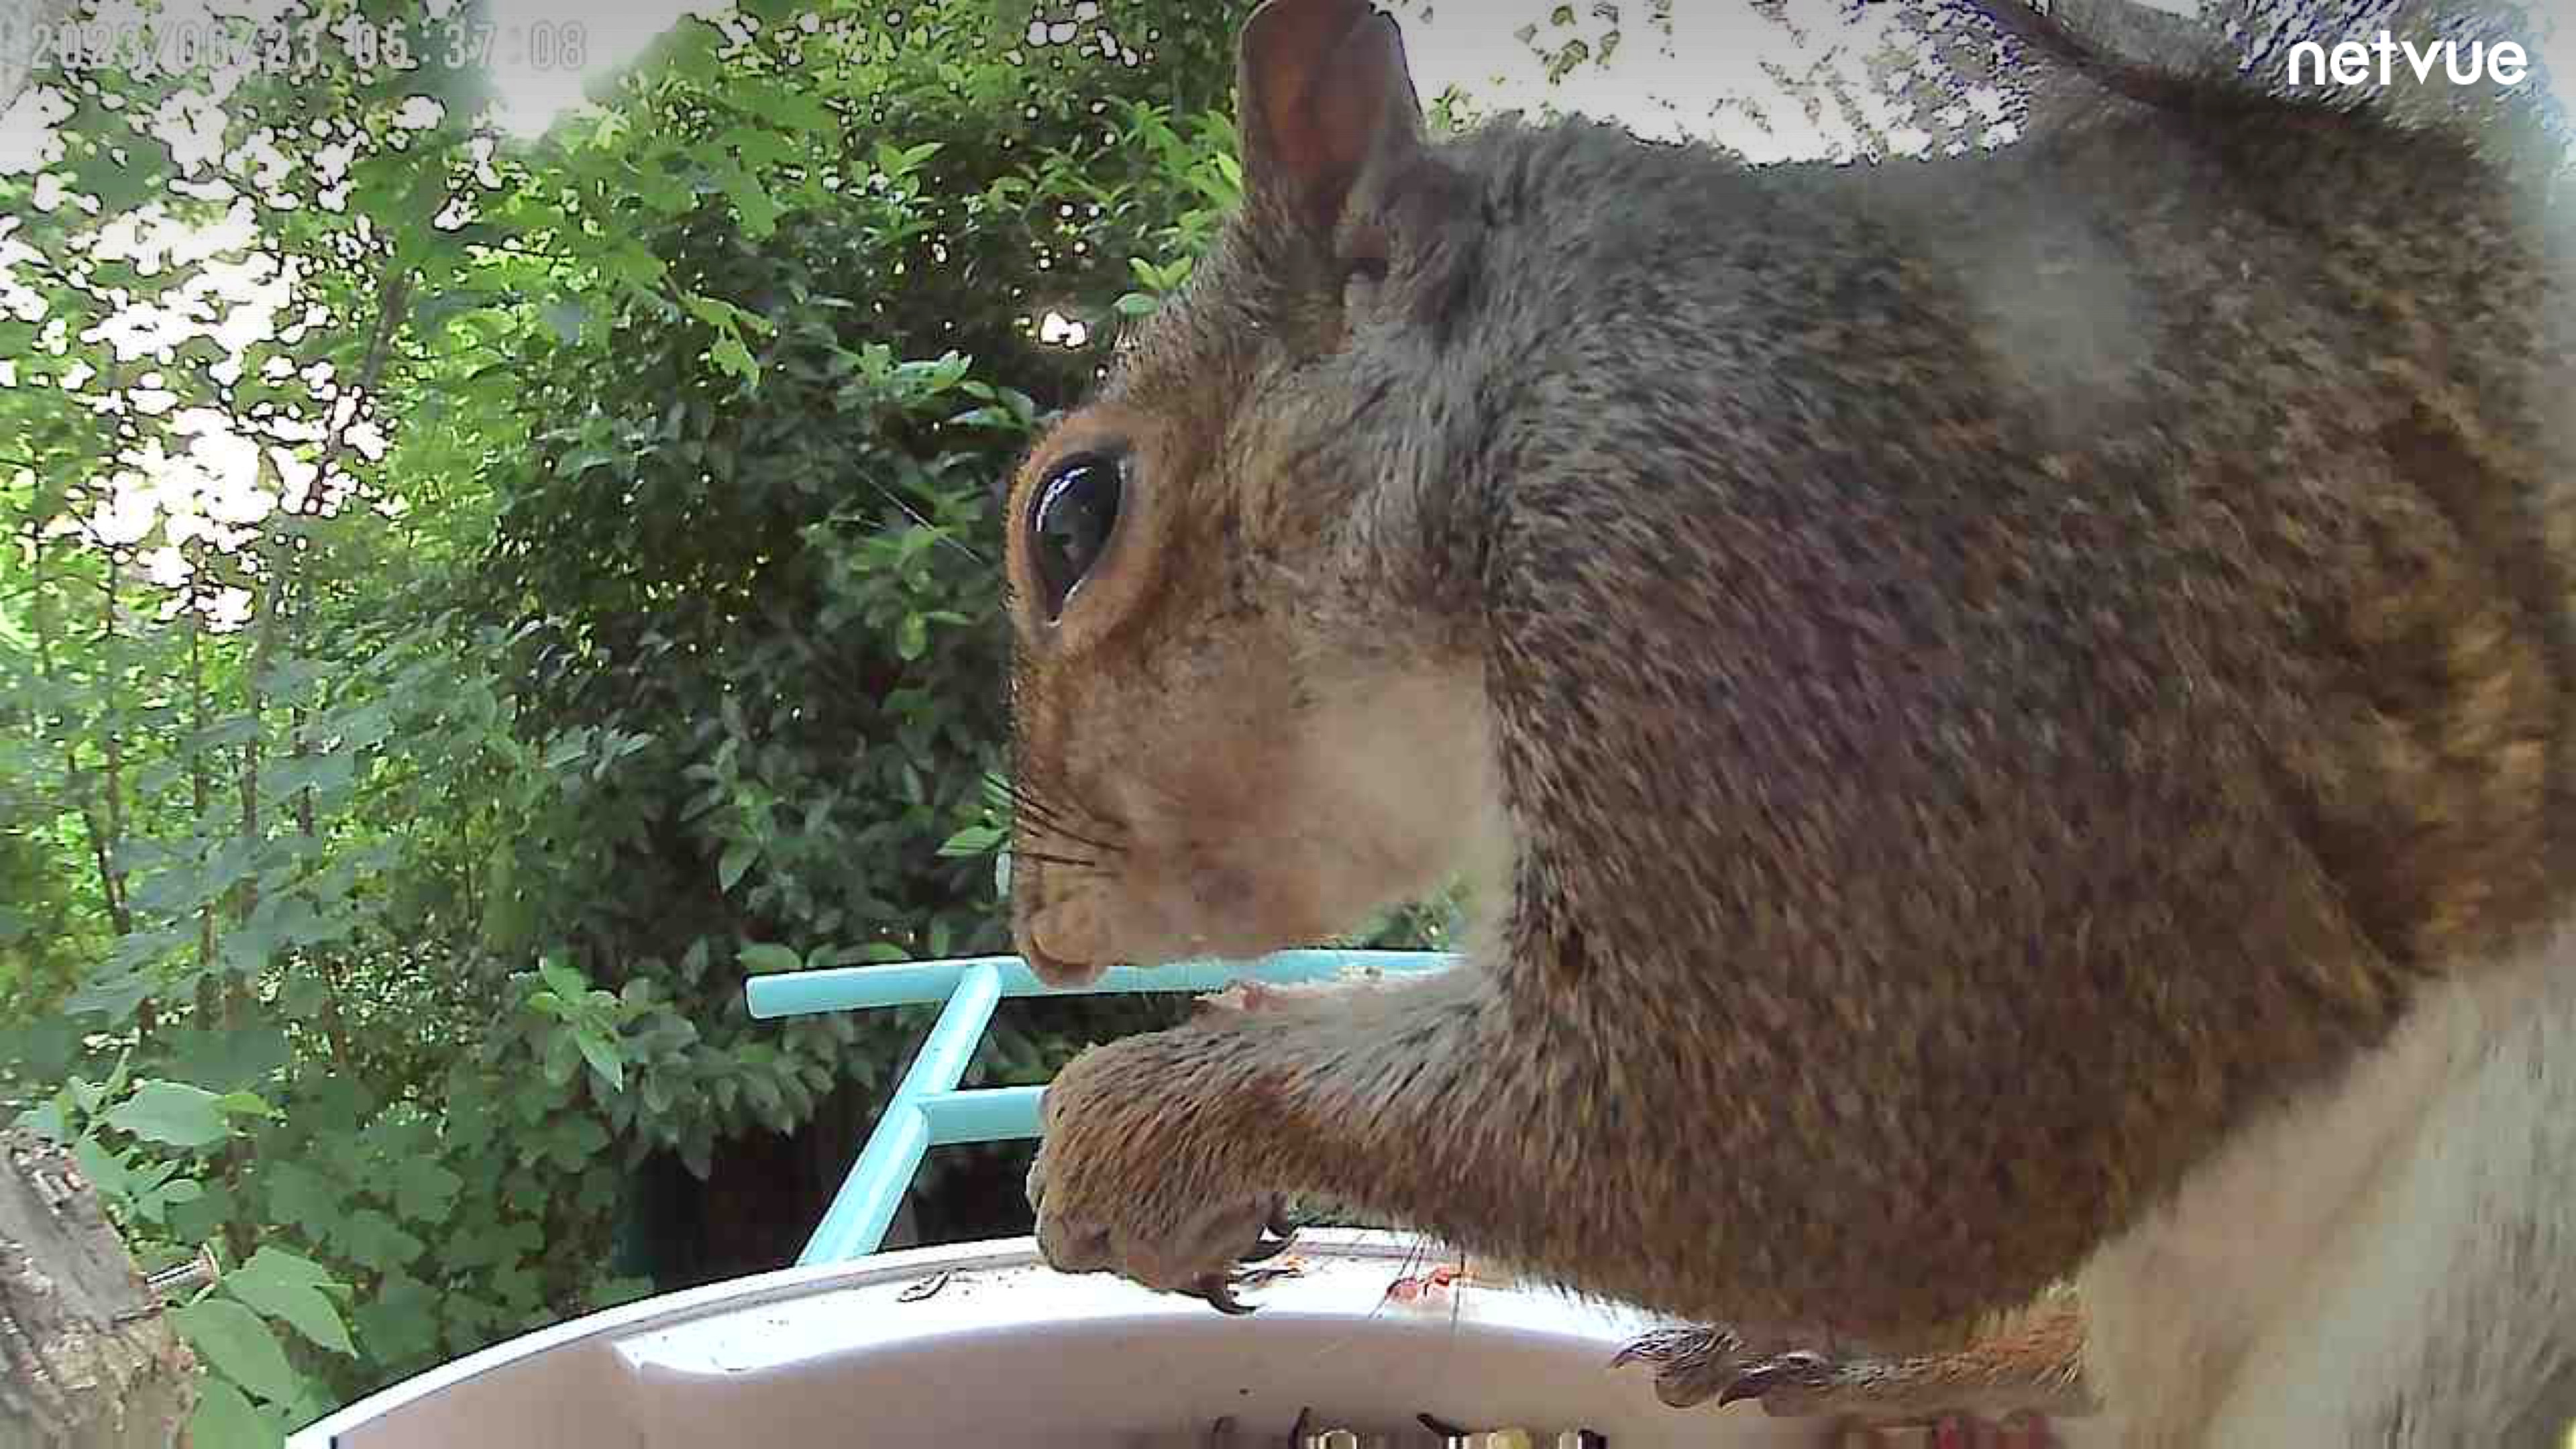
point(2207, 84)
point(2138, 81)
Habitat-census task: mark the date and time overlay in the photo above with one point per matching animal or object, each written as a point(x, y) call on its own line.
point(202, 45)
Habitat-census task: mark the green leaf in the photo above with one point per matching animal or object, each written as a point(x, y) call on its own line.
point(423, 1190)
point(301, 1197)
point(751, 200)
point(912, 638)
point(373, 1240)
point(401, 1321)
point(733, 357)
point(566, 316)
point(238, 1344)
point(287, 1287)
point(171, 1112)
point(432, 313)
point(558, 973)
point(575, 1141)
point(247, 950)
point(121, 185)
point(225, 1420)
point(716, 312)
point(562, 1057)
point(737, 859)
point(792, 110)
point(693, 49)
point(986, 417)
point(768, 958)
point(631, 263)
point(115, 996)
point(324, 773)
point(581, 460)
point(106, 1172)
point(603, 1056)
point(245, 1104)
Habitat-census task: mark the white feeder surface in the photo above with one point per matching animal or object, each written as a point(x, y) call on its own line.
point(1004, 1351)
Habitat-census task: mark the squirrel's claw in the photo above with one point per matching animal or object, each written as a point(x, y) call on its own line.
point(1796, 1371)
point(1265, 1250)
point(1693, 1365)
point(1218, 1290)
point(1269, 1241)
point(1277, 1233)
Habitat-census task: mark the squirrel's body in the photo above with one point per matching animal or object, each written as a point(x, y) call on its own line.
point(2006, 708)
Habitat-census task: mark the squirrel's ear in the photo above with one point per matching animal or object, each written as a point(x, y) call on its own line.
point(1324, 90)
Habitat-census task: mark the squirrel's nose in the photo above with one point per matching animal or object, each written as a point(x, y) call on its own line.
point(1059, 973)
point(1052, 969)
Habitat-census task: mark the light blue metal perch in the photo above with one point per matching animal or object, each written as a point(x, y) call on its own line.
point(929, 1111)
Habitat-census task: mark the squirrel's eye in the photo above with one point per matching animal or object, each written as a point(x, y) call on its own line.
point(1069, 525)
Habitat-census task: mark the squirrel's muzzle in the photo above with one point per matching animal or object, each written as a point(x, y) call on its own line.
point(1054, 970)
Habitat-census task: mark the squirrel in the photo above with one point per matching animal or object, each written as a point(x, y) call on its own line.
point(2006, 719)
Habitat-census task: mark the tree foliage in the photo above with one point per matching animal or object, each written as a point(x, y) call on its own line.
point(470, 602)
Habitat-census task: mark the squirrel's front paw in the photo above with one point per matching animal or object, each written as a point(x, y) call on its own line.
point(1693, 1365)
point(1110, 1198)
point(1967, 1398)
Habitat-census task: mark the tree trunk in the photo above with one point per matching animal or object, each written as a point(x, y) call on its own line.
point(87, 1360)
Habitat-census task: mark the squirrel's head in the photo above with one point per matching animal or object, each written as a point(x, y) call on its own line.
point(1240, 724)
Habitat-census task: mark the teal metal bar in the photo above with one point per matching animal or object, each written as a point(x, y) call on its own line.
point(864, 988)
point(927, 1109)
point(992, 1114)
point(855, 1223)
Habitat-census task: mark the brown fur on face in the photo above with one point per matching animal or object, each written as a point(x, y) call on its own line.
point(1204, 778)
point(1232, 742)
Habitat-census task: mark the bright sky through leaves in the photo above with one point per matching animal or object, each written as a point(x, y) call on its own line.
point(1659, 84)
point(214, 487)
